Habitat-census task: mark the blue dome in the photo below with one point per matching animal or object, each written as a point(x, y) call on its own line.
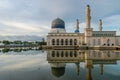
point(76, 31)
point(58, 23)
point(58, 72)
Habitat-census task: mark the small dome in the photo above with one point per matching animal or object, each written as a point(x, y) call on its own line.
point(58, 23)
point(58, 72)
point(77, 31)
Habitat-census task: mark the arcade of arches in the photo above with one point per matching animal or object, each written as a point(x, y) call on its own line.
point(64, 41)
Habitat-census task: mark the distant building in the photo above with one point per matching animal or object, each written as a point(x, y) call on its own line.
point(59, 37)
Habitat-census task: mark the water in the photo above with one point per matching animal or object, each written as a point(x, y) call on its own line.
point(60, 65)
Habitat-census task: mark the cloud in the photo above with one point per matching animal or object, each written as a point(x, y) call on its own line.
point(22, 38)
point(19, 25)
point(5, 4)
point(33, 17)
point(16, 26)
point(20, 61)
point(112, 19)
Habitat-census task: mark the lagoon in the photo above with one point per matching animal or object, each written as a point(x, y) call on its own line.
point(44, 65)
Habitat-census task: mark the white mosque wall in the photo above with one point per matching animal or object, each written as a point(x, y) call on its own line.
point(118, 40)
point(103, 41)
point(63, 39)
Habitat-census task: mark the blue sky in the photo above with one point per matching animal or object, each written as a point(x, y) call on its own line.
point(33, 17)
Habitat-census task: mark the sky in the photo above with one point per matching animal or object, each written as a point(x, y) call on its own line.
point(34, 17)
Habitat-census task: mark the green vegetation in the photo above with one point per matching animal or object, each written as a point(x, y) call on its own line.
point(6, 50)
point(22, 43)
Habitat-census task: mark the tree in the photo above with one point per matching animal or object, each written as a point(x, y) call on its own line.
point(6, 42)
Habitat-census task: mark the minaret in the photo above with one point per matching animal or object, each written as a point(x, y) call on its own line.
point(100, 25)
point(88, 17)
point(77, 68)
point(88, 66)
point(88, 73)
point(77, 26)
point(88, 30)
point(101, 69)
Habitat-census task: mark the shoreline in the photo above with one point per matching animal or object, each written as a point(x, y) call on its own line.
point(82, 47)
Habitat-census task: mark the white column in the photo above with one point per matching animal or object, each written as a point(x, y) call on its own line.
point(50, 42)
point(64, 42)
point(72, 42)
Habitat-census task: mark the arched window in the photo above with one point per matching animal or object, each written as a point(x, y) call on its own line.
point(57, 41)
point(66, 54)
point(70, 53)
point(112, 44)
point(53, 53)
point(62, 42)
point(75, 54)
point(99, 54)
point(75, 42)
point(108, 54)
point(99, 42)
point(108, 42)
point(94, 54)
point(104, 44)
point(94, 42)
point(117, 42)
point(117, 54)
point(71, 41)
point(53, 41)
point(66, 41)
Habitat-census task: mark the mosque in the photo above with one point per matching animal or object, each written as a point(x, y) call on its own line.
point(58, 37)
point(58, 60)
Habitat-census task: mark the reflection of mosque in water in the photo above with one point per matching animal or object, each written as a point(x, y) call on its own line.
point(59, 58)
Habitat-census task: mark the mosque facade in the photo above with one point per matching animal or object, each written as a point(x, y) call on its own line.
point(59, 37)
